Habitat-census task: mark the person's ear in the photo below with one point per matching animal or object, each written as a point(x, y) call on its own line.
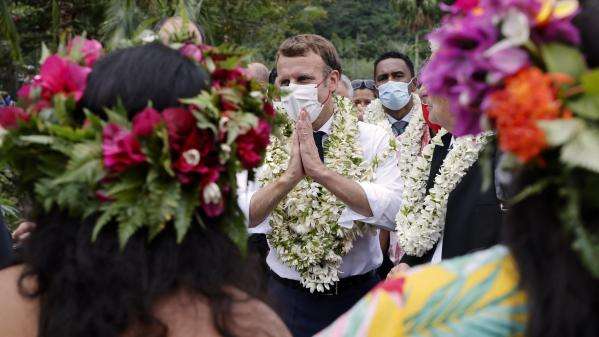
point(413, 84)
point(334, 78)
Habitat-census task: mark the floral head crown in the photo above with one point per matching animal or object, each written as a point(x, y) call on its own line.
point(169, 167)
point(513, 66)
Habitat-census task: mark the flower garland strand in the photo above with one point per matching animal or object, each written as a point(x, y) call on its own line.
point(305, 228)
point(421, 218)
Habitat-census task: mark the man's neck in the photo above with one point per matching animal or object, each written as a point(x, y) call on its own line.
point(401, 113)
point(325, 115)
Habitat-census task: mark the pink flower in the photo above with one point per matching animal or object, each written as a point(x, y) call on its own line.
point(58, 75)
point(145, 122)
point(11, 115)
point(120, 149)
point(466, 5)
point(193, 52)
point(252, 144)
point(91, 50)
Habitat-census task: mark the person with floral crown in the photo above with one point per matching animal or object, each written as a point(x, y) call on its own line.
point(133, 192)
point(543, 281)
point(326, 186)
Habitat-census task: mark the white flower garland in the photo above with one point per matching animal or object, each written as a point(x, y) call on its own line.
point(374, 114)
point(421, 218)
point(305, 228)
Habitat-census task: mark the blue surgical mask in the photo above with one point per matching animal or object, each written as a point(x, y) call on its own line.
point(395, 95)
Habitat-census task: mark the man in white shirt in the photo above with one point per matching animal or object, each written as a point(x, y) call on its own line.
point(308, 66)
point(396, 83)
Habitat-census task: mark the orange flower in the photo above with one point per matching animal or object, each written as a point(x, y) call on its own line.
point(528, 96)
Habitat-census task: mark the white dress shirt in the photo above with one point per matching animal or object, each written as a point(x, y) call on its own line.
point(383, 197)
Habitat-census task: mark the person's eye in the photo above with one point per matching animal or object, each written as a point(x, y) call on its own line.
point(284, 83)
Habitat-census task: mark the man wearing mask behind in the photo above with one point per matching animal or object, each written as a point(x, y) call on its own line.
point(397, 102)
point(321, 194)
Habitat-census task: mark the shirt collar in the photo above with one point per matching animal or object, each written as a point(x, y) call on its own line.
point(408, 116)
point(326, 127)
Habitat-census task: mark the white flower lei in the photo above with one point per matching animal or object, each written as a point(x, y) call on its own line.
point(374, 114)
point(305, 228)
point(421, 218)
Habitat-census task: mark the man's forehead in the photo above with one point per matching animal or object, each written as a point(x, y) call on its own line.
point(310, 64)
point(391, 65)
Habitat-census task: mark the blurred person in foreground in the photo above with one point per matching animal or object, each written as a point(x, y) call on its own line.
point(543, 281)
point(144, 240)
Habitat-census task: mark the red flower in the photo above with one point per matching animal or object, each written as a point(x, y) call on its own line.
point(252, 144)
point(179, 123)
point(91, 50)
point(11, 115)
point(145, 122)
point(193, 149)
point(196, 158)
point(227, 105)
point(269, 110)
point(58, 75)
point(120, 149)
point(193, 52)
point(225, 77)
point(393, 285)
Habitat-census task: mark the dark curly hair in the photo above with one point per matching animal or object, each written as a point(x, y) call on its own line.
point(90, 288)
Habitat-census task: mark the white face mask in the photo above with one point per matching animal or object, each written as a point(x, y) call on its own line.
point(301, 97)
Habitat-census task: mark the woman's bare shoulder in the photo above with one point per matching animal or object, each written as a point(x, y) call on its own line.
point(188, 316)
point(18, 314)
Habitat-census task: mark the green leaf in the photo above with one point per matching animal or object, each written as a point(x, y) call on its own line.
point(583, 150)
point(37, 139)
point(590, 82)
point(184, 213)
point(560, 58)
point(118, 115)
point(559, 131)
point(9, 32)
point(586, 106)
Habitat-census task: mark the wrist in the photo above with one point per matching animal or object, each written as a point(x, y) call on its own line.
point(321, 175)
point(288, 180)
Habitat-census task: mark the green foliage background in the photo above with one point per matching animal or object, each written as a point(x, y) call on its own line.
point(360, 30)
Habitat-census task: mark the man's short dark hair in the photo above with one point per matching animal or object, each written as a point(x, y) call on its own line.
point(395, 55)
point(301, 45)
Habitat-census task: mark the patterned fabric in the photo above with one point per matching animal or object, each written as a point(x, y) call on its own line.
point(476, 296)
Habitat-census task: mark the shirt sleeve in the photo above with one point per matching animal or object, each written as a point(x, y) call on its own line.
point(245, 191)
point(383, 193)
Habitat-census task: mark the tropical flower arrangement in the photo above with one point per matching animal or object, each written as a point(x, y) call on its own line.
point(160, 168)
point(305, 228)
point(512, 66)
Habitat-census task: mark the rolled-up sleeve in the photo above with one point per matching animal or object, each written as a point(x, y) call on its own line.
point(245, 191)
point(383, 193)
